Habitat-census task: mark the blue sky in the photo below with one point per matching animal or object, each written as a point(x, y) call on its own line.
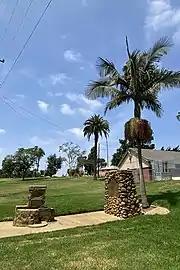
point(59, 61)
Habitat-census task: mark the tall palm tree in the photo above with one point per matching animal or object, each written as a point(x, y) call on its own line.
point(140, 82)
point(96, 126)
point(39, 153)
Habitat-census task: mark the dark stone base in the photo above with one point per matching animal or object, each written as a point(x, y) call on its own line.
point(47, 214)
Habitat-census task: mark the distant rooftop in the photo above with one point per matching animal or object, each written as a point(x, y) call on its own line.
point(159, 154)
point(109, 168)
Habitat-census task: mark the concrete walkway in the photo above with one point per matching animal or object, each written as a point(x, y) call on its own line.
point(61, 223)
point(69, 221)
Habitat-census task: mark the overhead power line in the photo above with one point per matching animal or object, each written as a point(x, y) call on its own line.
point(10, 19)
point(10, 106)
point(25, 44)
point(23, 19)
point(7, 100)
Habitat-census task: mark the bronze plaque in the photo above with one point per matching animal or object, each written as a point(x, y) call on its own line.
point(113, 188)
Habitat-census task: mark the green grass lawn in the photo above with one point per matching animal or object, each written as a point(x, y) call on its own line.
point(145, 242)
point(66, 195)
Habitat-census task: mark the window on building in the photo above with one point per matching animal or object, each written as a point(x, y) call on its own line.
point(177, 166)
point(165, 167)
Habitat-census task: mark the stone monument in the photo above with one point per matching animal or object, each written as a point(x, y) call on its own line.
point(120, 194)
point(35, 211)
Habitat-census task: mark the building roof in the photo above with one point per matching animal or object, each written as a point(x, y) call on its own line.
point(153, 155)
point(109, 168)
point(149, 154)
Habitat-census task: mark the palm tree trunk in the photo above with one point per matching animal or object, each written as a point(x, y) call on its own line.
point(144, 200)
point(145, 204)
point(95, 155)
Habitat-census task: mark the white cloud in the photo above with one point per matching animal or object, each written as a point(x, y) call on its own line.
point(93, 104)
point(176, 36)
point(56, 94)
point(20, 96)
point(43, 106)
point(54, 79)
point(91, 65)
point(2, 131)
point(81, 68)
point(84, 112)
point(77, 131)
point(66, 109)
point(78, 98)
point(72, 56)
point(59, 78)
point(28, 72)
point(161, 15)
point(84, 3)
point(63, 36)
point(35, 140)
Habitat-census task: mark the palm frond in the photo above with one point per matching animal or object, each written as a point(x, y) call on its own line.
point(178, 116)
point(117, 100)
point(101, 88)
point(96, 126)
point(127, 47)
point(159, 49)
point(167, 78)
point(154, 105)
point(105, 68)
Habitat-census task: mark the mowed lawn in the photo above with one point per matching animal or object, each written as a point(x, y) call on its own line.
point(66, 195)
point(145, 242)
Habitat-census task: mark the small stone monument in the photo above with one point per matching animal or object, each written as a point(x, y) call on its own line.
point(120, 194)
point(35, 211)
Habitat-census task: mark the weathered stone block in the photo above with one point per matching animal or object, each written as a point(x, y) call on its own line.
point(25, 217)
point(36, 197)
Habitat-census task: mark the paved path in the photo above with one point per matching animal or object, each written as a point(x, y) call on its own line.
point(69, 221)
point(61, 223)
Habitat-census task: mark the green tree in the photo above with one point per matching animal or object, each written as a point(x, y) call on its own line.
point(96, 126)
point(125, 145)
point(88, 162)
point(8, 166)
point(54, 164)
point(140, 82)
point(38, 154)
point(72, 152)
point(24, 160)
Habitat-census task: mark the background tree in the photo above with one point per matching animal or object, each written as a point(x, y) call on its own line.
point(24, 160)
point(140, 82)
point(125, 145)
point(54, 164)
point(38, 154)
point(96, 126)
point(8, 166)
point(88, 162)
point(72, 152)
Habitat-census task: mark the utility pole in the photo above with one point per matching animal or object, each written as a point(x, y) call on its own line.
point(107, 152)
point(98, 158)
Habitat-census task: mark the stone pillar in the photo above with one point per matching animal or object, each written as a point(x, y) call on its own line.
point(120, 194)
point(36, 197)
